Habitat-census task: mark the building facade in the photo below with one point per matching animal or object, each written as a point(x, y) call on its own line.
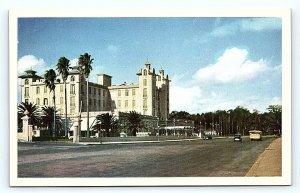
point(150, 96)
point(34, 90)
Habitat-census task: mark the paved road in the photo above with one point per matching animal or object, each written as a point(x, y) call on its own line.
point(218, 157)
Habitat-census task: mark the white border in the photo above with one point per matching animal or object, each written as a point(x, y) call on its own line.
point(285, 179)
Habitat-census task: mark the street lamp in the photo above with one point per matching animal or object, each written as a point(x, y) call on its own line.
point(100, 139)
point(166, 126)
point(174, 128)
point(200, 130)
point(157, 129)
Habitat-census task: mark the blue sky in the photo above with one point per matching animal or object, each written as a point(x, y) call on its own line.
point(214, 63)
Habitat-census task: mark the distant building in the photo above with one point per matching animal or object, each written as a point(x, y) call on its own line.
point(150, 96)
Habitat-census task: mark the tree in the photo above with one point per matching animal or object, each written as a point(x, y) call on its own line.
point(33, 113)
point(274, 117)
point(50, 77)
point(107, 122)
point(133, 122)
point(179, 115)
point(85, 67)
point(63, 66)
point(48, 114)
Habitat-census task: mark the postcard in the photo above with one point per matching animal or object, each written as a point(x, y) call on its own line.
point(150, 97)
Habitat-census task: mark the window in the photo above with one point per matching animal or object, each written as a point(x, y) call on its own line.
point(95, 102)
point(159, 78)
point(119, 103)
point(61, 88)
point(133, 103)
point(37, 90)
point(104, 93)
point(72, 89)
point(61, 100)
point(144, 104)
point(72, 101)
point(94, 90)
point(90, 102)
point(119, 92)
point(26, 91)
point(37, 101)
point(133, 92)
point(72, 111)
point(45, 101)
point(145, 72)
point(145, 82)
point(45, 89)
point(126, 92)
point(72, 78)
point(26, 81)
point(144, 92)
point(126, 103)
point(90, 90)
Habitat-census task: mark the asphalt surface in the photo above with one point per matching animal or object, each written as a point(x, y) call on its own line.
point(217, 157)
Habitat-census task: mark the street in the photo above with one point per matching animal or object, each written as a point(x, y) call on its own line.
point(203, 158)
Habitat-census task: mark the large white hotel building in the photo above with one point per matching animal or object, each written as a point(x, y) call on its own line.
point(150, 96)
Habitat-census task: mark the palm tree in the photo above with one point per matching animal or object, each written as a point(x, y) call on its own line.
point(106, 121)
point(62, 67)
point(48, 114)
point(85, 67)
point(33, 113)
point(133, 121)
point(50, 77)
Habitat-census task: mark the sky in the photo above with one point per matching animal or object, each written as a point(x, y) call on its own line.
point(213, 63)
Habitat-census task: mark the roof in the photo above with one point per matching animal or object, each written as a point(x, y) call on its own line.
point(30, 74)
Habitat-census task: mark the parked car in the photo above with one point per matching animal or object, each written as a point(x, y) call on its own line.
point(237, 137)
point(207, 137)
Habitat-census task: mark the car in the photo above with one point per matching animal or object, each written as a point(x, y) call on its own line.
point(207, 137)
point(255, 135)
point(237, 137)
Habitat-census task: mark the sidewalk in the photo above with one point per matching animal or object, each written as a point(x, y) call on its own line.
point(269, 162)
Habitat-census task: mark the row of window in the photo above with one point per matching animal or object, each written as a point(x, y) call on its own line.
point(126, 104)
point(132, 104)
point(145, 74)
point(72, 90)
point(95, 90)
point(38, 102)
point(27, 81)
point(94, 103)
point(61, 89)
point(133, 92)
point(127, 92)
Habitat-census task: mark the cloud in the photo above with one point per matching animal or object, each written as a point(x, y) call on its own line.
point(259, 24)
point(184, 98)
point(233, 65)
point(236, 26)
point(195, 95)
point(30, 61)
point(276, 101)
